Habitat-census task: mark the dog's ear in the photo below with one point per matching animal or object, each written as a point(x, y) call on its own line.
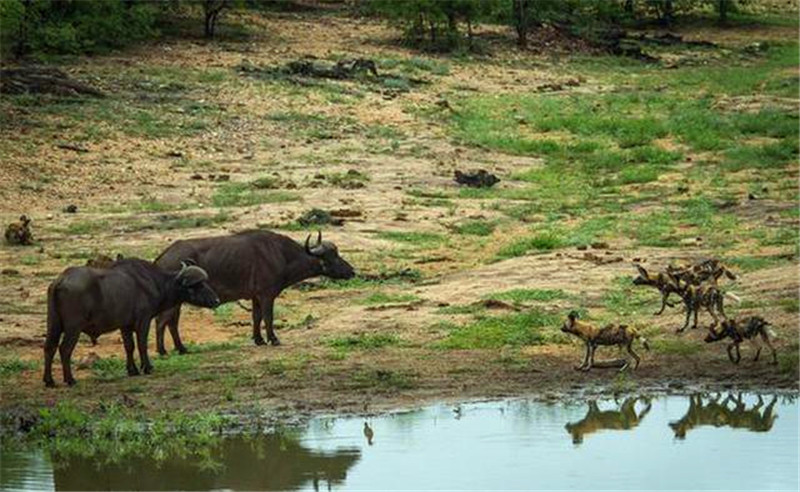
point(573, 315)
point(642, 271)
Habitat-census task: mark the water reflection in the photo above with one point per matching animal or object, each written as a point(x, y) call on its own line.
point(624, 417)
point(476, 446)
point(728, 412)
point(270, 462)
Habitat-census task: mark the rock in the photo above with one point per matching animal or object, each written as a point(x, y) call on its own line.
point(11, 272)
point(599, 245)
point(197, 177)
point(174, 153)
point(71, 209)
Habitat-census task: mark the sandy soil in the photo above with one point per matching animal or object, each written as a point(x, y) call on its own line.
point(122, 171)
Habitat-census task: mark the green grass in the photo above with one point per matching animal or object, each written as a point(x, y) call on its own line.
point(532, 327)
point(382, 380)
point(544, 241)
point(414, 238)
point(244, 194)
point(114, 434)
point(363, 341)
point(387, 298)
point(677, 346)
point(623, 299)
point(475, 227)
point(519, 296)
point(14, 365)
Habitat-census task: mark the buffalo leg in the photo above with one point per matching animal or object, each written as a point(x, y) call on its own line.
point(142, 332)
point(161, 323)
point(127, 340)
point(267, 306)
point(65, 352)
point(50, 347)
point(174, 333)
point(256, 312)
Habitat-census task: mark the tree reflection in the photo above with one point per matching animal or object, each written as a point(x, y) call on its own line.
point(268, 462)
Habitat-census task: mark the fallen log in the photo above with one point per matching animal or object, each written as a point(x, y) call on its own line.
point(43, 80)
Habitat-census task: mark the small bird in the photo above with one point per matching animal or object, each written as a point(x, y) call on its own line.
point(368, 433)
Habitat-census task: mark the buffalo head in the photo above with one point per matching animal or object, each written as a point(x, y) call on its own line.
point(333, 265)
point(193, 287)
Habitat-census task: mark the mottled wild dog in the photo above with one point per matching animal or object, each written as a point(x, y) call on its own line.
point(710, 270)
point(697, 297)
point(664, 283)
point(751, 329)
point(611, 334)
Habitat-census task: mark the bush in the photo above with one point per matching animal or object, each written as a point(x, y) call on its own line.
point(74, 27)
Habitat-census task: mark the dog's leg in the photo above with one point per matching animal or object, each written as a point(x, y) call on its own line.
point(757, 345)
point(738, 358)
point(585, 359)
point(592, 348)
point(663, 303)
point(688, 317)
point(730, 353)
point(635, 357)
point(765, 337)
point(696, 313)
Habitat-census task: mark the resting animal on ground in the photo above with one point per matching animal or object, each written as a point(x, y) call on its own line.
point(612, 334)
point(19, 233)
point(124, 297)
point(256, 265)
point(752, 329)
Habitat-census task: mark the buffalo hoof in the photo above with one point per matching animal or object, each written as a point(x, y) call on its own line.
point(182, 350)
point(70, 382)
point(259, 341)
point(49, 383)
point(147, 369)
point(132, 371)
point(274, 341)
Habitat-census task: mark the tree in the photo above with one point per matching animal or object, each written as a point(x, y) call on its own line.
point(211, 11)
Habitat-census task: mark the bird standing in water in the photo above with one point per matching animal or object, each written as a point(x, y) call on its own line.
point(368, 433)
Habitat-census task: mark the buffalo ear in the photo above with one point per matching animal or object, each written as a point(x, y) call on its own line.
point(188, 262)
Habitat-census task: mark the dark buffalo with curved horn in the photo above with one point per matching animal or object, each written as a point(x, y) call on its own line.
point(256, 265)
point(125, 296)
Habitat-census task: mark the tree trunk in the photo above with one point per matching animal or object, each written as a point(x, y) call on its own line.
point(521, 22)
point(723, 11)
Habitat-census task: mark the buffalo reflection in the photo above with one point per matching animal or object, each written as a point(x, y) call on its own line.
point(267, 462)
point(623, 418)
point(731, 412)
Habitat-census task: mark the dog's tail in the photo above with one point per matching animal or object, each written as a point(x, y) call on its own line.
point(645, 344)
point(733, 297)
point(768, 328)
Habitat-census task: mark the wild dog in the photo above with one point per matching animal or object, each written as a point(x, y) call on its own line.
point(697, 297)
point(710, 270)
point(664, 283)
point(751, 329)
point(593, 337)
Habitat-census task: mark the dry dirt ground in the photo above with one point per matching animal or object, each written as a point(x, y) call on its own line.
point(144, 181)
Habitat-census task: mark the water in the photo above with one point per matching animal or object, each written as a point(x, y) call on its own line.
point(668, 443)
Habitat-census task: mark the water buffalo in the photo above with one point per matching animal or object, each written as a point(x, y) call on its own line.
point(125, 296)
point(256, 265)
